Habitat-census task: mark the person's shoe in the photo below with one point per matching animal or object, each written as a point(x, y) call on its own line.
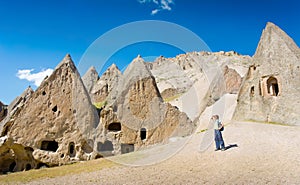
point(223, 149)
point(217, 149)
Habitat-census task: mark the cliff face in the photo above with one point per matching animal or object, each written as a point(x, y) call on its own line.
point(271, 89)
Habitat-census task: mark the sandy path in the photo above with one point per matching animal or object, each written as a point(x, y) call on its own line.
point(266, 154)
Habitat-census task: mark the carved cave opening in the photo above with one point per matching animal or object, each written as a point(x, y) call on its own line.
point(252, 91)
point(49, 146)
point(28, 167)
point(54, 109)
point(272, 86)
point(106, 146)
point(143, 133)
point(72, 151)
point(12, 166)
point(116, 126)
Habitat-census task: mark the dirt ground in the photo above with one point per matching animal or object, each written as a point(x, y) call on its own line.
point(256, 154)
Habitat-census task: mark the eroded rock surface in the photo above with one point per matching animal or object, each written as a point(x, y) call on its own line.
point(136, 116)
point(104, 85)
point(54, 126)
point(271, 89)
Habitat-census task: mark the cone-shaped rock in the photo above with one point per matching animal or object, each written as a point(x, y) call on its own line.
point(136, 108)
point(55, 125)
point(105, 84)
point(271, 89)
point(90, 78)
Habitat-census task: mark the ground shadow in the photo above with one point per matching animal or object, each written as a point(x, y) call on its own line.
point(231, 146)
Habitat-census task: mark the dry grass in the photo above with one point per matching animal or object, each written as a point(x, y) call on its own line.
point(76, 168)
point(168, 99)
point(99, 105)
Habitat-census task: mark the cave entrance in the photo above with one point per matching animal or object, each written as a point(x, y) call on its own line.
point(12, 166)
point(49, 146)
point(143, 133)
point(272, 86)
point(116, 126)
point(72, 151)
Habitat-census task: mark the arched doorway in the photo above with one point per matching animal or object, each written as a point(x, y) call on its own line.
point(143, 133)
point(272, 86)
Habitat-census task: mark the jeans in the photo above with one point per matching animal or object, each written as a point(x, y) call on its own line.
point(219, 139)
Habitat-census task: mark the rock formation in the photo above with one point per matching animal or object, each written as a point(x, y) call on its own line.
point(193, 81)
point(53, 127)
point(70, 119)
point(90, 78)
point(3, 111)
point(136, 116)
point(270, 91)
point(105, 84)
point(14, 107)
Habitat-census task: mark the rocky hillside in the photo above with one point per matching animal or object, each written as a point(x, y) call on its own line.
point(69, 118)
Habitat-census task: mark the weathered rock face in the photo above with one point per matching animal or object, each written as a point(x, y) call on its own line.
point(136, 116)
point(3, 111)
point(90, 78)
point(54, 126)
point(199, 78)
point(14, 107)
point(232, 80)
point(271, 89)
point(105, 84)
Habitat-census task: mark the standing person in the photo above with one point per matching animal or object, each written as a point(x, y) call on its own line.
point(218, 135)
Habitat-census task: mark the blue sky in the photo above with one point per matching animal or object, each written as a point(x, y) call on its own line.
point(35, 35)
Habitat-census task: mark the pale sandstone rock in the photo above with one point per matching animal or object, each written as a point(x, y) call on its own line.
point(137, 110)
point(105, 84)
point(196, 80)
point(3, 111)
point(90, 78)
point(271, 88)
point(55, 124)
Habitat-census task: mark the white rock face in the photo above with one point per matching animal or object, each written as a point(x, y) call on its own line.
point(271, 89)
point(196, 80)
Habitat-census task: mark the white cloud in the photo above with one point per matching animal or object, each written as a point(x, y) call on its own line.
point(155, 11)
point(165, 5)
point(36, 78)
point(161, 5)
